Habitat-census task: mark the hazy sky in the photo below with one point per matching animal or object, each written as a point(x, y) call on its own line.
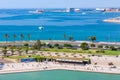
point(58, 3)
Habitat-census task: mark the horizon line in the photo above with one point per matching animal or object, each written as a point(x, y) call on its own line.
point(60, 8)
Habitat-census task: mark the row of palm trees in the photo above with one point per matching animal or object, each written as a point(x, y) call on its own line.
point(14, 36)
point(70, 38)
point(22, 36)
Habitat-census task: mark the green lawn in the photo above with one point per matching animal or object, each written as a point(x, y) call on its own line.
point(110, 52)
point(23, 56)
point(90, 51)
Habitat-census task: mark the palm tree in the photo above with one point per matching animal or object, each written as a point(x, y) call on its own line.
point(92, 38)
point(6, 36)
point(28, 36)
point(21, 37)
point(70, 38)
point(14, 37)
point(64, 36)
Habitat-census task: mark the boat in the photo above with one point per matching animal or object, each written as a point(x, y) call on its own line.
point(36, 12)
point(99, 9)
point(83, 13)
point(41, 28)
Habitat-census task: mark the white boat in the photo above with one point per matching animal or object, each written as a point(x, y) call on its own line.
point(36, 12)
point(83, 13)
point(41, 28)
point(99, 9)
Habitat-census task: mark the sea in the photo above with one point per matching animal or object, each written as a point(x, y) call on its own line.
point(80, 25)
point(59, 75)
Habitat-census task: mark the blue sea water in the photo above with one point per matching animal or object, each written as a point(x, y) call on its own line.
point(78, 25)
point(59, 75)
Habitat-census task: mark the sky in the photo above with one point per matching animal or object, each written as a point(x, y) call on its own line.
point(58, 3)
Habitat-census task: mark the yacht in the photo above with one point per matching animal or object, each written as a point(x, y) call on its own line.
point(36, 12)
point(83, 13)
point(41, 28)
point(99, 9)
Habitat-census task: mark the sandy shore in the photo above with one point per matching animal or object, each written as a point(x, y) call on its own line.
point(34, 66)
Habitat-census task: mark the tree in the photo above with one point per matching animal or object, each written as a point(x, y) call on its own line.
point(49, 45)
point(38, 45)
point(119, 48)
point(44, 44)
point(56, 45)
point(100, 46)
point(92, 45)
point(113, 48)
point(70, 38)
point(12, 49)
point(92, 38)
point(107, 47)
point(84, 46)
point(26, 50)
point(21, 37)
point(67, 45)
point(64, 36)
point(26, 44)
point(14, 37)
point(28, 36)
point(26, 47)
point(6, 36)
point(19, 52)
point(4, 51)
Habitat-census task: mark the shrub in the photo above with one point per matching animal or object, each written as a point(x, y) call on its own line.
point(56, 45)
point(106, 47)
point(110, 63)
point(26, 44)
point(89, 51)
point(84, 46)
point(67, 45)
point(100, 51)
point(100, 46)
point(49, 45)
point(92, 45)
point(113, 48)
